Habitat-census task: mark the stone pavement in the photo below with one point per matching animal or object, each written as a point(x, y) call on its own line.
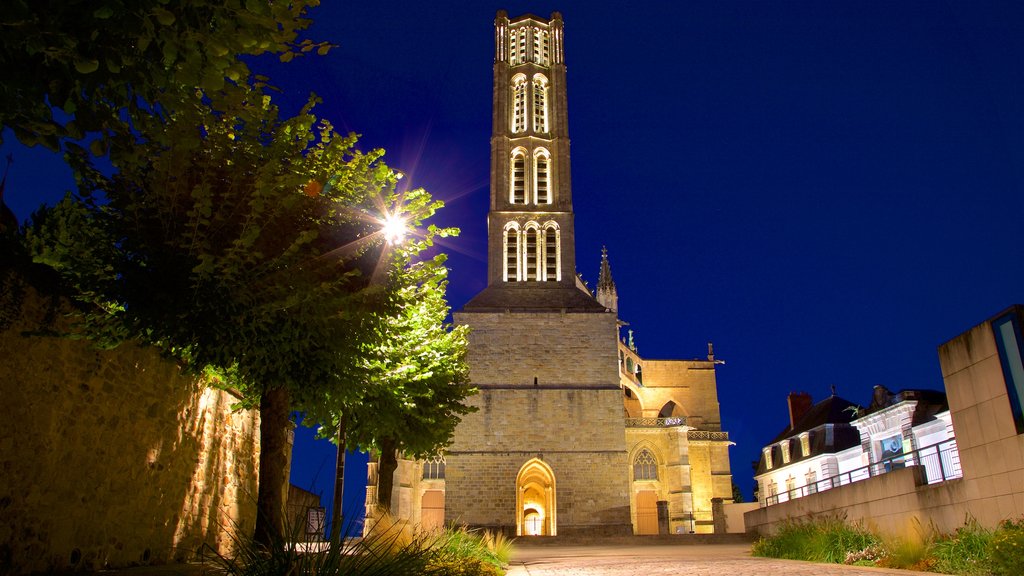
point(667, 559)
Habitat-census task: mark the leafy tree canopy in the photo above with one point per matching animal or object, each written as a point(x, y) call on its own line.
point(71, 67)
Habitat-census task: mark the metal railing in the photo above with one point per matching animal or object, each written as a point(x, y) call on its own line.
point(941, 462)
point(655, 422)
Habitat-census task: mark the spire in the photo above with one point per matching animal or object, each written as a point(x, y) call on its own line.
point(607, 295)
point(604, 279)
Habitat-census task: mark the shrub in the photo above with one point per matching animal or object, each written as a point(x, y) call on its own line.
point(1006, 549)
point(828, 539)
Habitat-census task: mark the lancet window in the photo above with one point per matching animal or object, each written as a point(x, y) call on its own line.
point(541, 176)
point(517, 190)
point(517, 46)
point(511, 253)
point(519, 104)
point(540, 46)
point(531, 238)
point(552, 250)
point(540, 104)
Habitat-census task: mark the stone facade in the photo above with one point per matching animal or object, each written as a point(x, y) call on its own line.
point(550, 449)
point(112, 458)
point(672, 411)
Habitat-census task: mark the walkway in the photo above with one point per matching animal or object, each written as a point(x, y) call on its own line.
point(658, 560)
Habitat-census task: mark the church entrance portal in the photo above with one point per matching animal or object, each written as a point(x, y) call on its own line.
point(535, 500)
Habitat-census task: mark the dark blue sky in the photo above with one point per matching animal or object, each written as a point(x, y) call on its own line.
point(825, 190)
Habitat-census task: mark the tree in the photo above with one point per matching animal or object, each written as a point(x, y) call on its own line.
point(91, 60)
point(413, 376)
point(243, 246)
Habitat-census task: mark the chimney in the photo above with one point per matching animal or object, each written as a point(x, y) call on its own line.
point(799, 404)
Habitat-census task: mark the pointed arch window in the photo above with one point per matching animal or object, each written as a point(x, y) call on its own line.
point(645, 466)
point(542, 176)
point(531, 240)
point(517, 178)
point(511, 252)
point(433, 469)
point(540, 104)
point(517, 46)
point(540, 46)
point(552, 252)
point(519, 104)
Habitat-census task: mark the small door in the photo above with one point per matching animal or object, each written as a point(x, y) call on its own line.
point(432, 512)
point(647, 512)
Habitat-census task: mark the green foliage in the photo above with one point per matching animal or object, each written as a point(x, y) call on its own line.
point(205, 244)
point(1006, 549)
point(963, 552)
point(828, 539)
point(94, 60)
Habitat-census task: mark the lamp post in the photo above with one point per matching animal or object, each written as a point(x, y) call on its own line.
point(394, 228)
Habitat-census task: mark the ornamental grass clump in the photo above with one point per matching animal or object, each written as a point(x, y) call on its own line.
point(965, 552)
point(391, 547)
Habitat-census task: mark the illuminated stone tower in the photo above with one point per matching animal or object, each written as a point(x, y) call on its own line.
point(545, 453)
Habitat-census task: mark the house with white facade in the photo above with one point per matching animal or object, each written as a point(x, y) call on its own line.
point(837, 442)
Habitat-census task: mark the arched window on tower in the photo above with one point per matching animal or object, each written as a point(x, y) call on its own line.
point(519, 104)
point(530, 253)
point(517, 178)
point(540, 104)
point(542, 176)
point(511, 252)
point(645, 466)
point(540, 46)
point(552, 251)
point(517, 46)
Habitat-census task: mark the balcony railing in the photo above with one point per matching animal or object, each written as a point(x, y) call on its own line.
point(941, 462)
point(713, 435)
point(655, 422)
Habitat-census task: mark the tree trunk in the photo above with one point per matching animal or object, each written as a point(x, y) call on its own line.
point(275, 410)
point(388, 462)
point(339, 485)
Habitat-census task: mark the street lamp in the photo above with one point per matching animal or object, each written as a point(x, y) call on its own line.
point(394, 228)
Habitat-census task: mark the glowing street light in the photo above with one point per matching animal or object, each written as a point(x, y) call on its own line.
point(394, 229)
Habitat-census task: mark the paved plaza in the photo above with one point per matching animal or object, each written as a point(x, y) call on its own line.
point(675, 560)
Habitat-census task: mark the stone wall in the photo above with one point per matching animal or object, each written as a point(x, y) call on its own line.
point(571, 421)
point(556, 348)
point(111, 458)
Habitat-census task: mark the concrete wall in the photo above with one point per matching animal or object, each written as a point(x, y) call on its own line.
point(734, 523)
point(991, 450)
point(112, 457)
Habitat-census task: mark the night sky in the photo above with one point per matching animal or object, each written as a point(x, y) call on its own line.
point(827, 191)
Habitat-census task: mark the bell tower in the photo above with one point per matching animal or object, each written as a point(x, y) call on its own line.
point(545, 452)
point(530, 224)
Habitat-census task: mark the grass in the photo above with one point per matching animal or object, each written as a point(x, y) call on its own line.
point(970, 551)
point(391, 547)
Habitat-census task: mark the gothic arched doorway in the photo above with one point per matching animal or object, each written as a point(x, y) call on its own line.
point(535, 500)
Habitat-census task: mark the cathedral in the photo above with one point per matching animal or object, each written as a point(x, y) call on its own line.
point(575, 433)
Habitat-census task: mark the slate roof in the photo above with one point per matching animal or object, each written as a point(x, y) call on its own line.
point(832, 410)
point(532, 296)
